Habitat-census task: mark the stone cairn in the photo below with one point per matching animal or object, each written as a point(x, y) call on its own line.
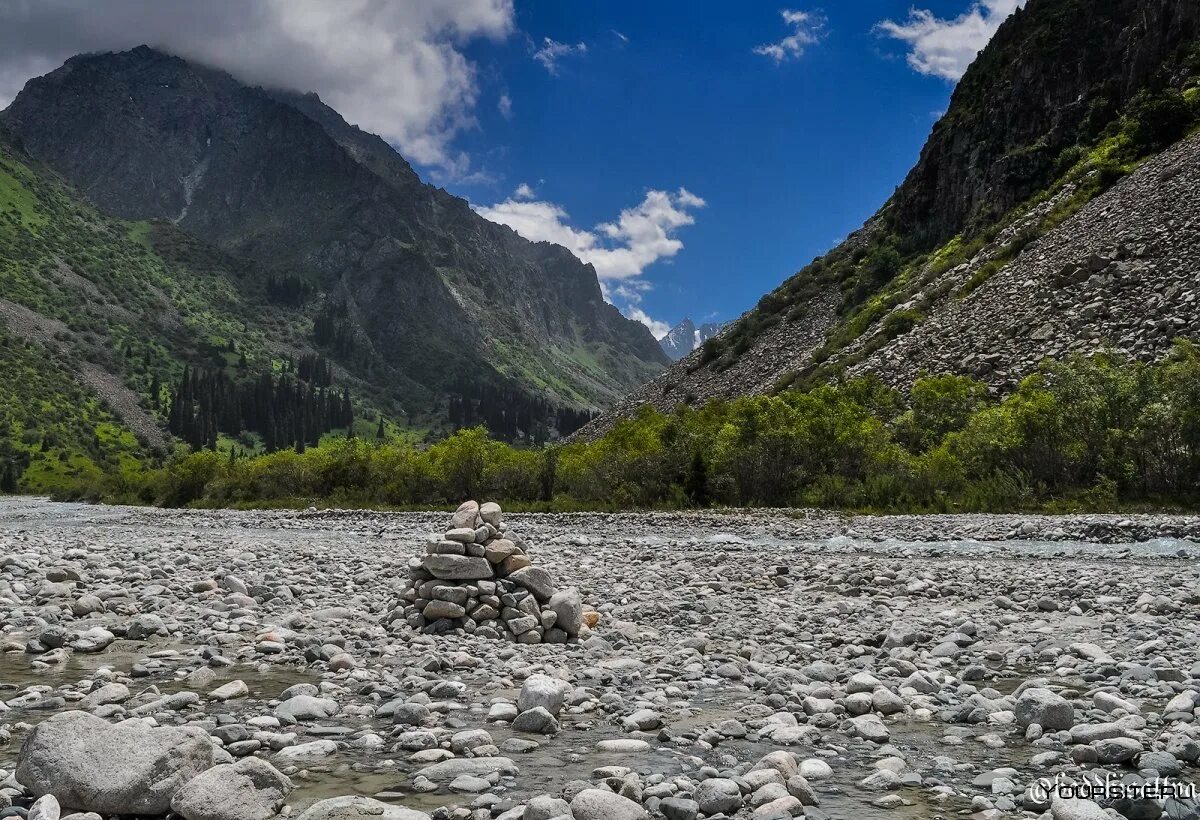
point(480, 579)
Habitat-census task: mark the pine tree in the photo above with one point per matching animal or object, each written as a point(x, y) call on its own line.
point(8, 480)
point(379, 433)
point(695, 484)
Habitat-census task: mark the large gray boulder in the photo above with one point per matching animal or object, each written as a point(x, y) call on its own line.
point(601, 804)
point(131, 767)
point(1045, 708)
point(359, 808)
point(250, 789)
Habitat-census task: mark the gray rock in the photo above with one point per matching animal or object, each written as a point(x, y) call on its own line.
point(536, 580)
point(446, 771)
point(359, 808)
point(717, 795)
point(123, 768)
point(45, 808)
point(1045, 708)
point(601, 804)
point(536, 721)
point(306, 707)
point(869, 727)
point(443, 609)
point(490, 513)
point(250, 789)
point(464, 517)
point(567, 606)
point(1072, 809)
point(679, 808)
point(543, 691)
point(313, 750)
point(457, 567)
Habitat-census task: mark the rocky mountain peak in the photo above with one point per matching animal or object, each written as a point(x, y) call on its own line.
point(436, 296)
point(685, 337)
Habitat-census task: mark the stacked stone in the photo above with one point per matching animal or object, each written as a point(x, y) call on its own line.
point(479, 579)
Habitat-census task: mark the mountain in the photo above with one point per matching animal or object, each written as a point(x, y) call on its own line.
point(433, 314)
point(1052, 211)
point(686, 337)
point(99, 320)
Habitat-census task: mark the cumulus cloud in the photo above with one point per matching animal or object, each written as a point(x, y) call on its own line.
point(657, 328)
point(394, 68)
point(620, 250)
point(945, 48)
point(524, 192)
point(808, 27)
point(552, 51)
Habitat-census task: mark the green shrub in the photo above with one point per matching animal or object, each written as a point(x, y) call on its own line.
point(1155, 121)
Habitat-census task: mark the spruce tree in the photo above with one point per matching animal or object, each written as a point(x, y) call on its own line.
point(379, 434)
point(8, 480)
point(695, 484)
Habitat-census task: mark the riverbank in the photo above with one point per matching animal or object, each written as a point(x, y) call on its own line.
point(894, 661)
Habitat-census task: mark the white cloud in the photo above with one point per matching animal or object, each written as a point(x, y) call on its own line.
point(524, 192)
point(393, 68)
point(505, 106)
point(808, 27)
point(945, 48)
point(620, 250)
point(552, 51)
point(657, 329)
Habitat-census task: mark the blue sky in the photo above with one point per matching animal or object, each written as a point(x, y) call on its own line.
point(696, 152)
point(788, 155)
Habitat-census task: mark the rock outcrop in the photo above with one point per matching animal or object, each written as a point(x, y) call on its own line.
point(1120, 276)
point(480, 579)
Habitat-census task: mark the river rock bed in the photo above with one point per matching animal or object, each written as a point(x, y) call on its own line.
point(230, 665)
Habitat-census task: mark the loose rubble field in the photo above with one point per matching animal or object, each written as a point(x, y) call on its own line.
point(228, 666)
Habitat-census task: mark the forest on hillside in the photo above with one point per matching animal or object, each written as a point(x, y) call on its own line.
point(1090, 433)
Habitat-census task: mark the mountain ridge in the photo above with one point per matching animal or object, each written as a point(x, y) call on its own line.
point(435, 295)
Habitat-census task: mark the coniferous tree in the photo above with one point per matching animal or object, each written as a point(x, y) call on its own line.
point(8, 480)
point(284, 410)
point(695, 484)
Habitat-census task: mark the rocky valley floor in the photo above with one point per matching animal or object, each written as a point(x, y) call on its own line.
point(762, 664)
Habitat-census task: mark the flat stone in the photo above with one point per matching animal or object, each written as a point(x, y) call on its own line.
point(457, 567)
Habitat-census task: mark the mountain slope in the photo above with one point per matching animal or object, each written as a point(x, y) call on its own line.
point(1069, 97)
point(426, 292)
point(99, 318)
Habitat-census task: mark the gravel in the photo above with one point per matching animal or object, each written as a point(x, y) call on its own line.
point(742, 664)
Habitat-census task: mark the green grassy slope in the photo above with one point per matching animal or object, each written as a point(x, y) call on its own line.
point(98, 318)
